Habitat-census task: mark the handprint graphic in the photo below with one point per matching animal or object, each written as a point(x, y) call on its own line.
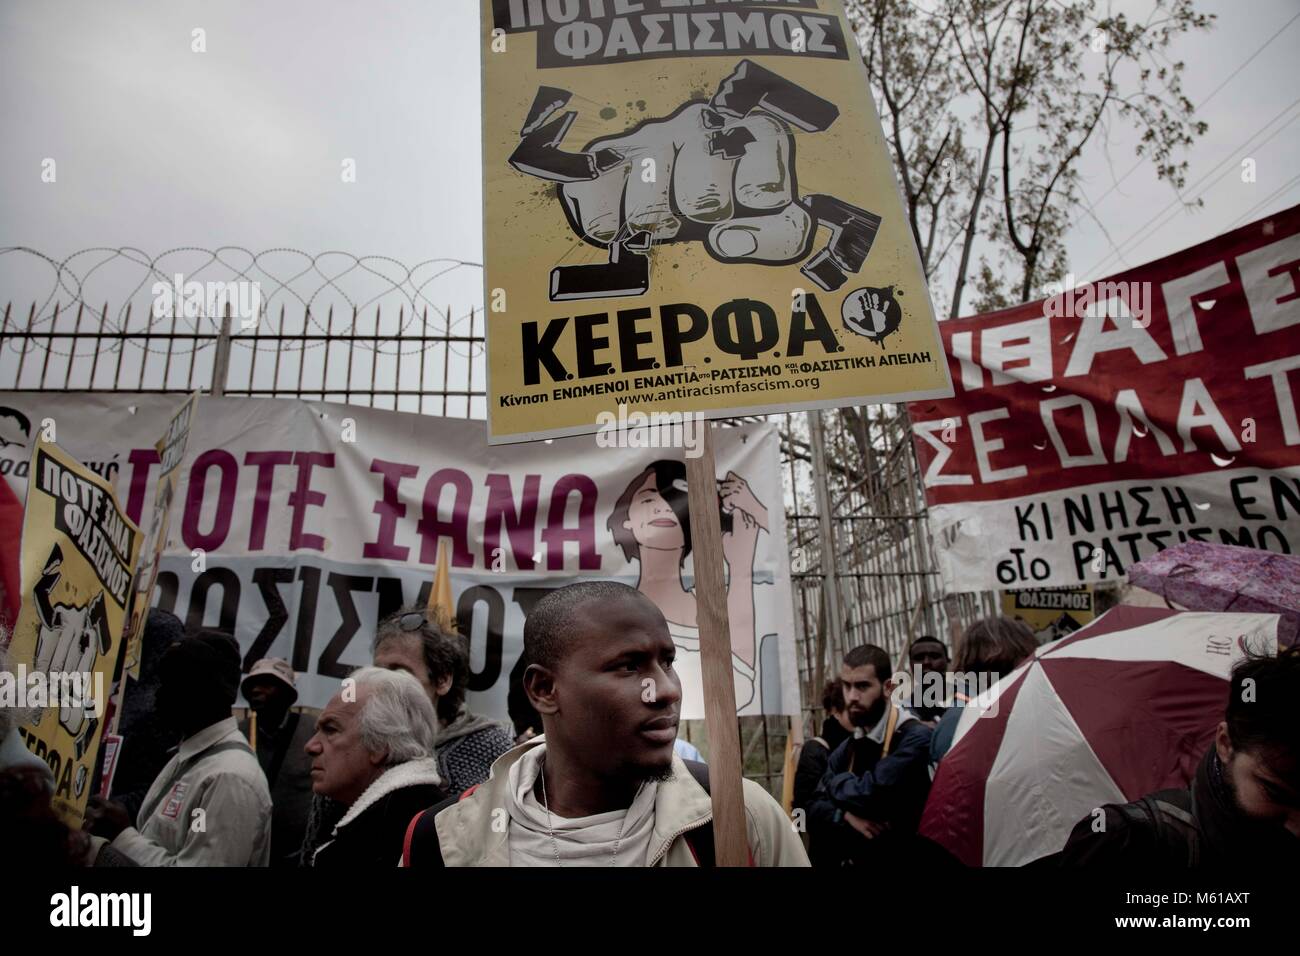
point(874, 313)
point(720, 172)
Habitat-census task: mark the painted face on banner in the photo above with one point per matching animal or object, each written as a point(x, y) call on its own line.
point(652, 520)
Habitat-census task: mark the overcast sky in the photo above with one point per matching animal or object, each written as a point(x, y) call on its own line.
point(1253, 115)
point(157, 146)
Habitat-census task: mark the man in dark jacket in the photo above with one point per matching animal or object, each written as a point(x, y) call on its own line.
point(279, 737)
point(1243, 807)
point(373, 753)
point(836, 728)
point(147, 742)
point(870, 799)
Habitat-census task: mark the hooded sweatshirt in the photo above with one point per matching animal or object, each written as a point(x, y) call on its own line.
point(615, 838)
point(468, 836)
point(466, 749)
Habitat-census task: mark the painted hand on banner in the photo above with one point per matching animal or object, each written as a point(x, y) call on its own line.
point(748, 518)
point(736, 495)
point(720, 172)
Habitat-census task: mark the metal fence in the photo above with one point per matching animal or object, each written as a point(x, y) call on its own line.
point(861, 562)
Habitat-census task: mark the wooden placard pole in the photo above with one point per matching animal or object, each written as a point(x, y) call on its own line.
point(730, 842)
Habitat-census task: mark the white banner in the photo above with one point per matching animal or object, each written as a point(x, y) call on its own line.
point(1097, 532)
point(300, 524)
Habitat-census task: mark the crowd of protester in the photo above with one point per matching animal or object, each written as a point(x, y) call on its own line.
point(395, 770)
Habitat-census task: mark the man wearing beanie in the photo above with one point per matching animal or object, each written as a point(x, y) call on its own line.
point(209, 806)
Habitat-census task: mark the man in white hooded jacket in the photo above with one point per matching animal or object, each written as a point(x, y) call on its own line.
point(602, 786)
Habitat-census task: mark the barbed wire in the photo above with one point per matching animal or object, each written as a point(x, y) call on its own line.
point(312, 283)
point(289, 279)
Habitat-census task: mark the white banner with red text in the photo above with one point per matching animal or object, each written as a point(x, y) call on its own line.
point(301, 524)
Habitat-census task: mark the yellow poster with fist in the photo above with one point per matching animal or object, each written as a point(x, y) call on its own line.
point(78, 549)
point(689, 207)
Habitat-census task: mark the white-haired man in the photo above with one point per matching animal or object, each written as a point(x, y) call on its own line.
point(373, 752)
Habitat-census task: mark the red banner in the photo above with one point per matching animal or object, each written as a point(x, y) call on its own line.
point(1114, 419)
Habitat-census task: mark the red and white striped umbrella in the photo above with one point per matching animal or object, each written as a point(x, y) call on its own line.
point(1123, 707)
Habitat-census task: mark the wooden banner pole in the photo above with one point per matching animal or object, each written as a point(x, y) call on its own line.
point(730, 842)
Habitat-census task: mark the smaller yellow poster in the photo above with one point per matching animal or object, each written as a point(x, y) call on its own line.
point(171, 451)
point(78, 550)
point(1051, 613)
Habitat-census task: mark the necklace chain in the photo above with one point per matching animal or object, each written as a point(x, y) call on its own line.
point(550, 831)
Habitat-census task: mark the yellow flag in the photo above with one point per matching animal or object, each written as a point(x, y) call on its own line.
point(440, 599)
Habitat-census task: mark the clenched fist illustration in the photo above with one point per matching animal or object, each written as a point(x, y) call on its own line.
point(68, 643)
point(720, 172)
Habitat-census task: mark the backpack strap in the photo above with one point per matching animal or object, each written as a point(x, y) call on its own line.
point(891, 724)
point(700, 840)
point(1175, 823)
point(700, 772)
point(1169, 815)
point(421, 838)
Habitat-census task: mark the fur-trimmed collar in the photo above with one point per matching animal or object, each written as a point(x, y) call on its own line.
point(413, 773)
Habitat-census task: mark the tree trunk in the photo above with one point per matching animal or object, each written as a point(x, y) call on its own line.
point(1031, 270)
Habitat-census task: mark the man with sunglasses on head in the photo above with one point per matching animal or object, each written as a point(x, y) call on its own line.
point(467, 743)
